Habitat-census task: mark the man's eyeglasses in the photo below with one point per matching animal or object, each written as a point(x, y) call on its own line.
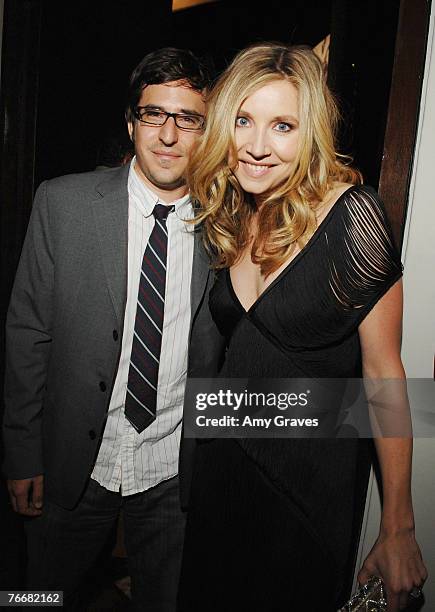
point(151, 116)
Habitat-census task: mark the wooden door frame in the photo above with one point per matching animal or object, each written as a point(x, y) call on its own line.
point(403, 111)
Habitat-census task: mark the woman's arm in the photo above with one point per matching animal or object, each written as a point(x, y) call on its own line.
point(395, 556)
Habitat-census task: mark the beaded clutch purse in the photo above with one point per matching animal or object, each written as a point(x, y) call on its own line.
point(369, 598)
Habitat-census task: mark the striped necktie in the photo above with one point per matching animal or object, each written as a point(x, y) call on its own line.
point(141, 397)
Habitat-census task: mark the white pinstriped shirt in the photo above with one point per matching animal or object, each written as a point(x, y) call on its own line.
point(128, 461)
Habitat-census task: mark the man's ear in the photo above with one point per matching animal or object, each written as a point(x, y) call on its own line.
point(130, 127)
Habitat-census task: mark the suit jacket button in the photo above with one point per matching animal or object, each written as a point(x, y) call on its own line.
point(92, 434)
point(102, 386)
point(115, 335)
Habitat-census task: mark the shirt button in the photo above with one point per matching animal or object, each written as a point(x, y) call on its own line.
point(115, 335)
point(102, 385)
point(92, 434)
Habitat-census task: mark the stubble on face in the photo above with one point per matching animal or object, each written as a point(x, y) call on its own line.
point(165, 176)
point(162, 152)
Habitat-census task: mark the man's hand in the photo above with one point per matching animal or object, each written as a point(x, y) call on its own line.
point(27, 495)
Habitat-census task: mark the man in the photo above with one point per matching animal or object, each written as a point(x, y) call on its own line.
point(111, 283)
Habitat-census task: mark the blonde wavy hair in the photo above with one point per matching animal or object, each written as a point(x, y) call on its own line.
point(287, 217)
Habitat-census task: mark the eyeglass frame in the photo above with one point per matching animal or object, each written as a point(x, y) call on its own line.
point(168, 115)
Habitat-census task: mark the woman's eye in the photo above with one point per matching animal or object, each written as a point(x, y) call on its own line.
point(283, 127)
point(242, 122)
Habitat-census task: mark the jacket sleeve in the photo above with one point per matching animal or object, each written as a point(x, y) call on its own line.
point(28, 343)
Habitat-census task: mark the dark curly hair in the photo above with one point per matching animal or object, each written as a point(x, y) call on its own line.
point(164, 66)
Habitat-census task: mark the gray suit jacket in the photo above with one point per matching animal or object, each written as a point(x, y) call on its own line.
point(64, 330)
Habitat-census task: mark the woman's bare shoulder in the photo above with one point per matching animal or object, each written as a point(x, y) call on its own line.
point(333, 195)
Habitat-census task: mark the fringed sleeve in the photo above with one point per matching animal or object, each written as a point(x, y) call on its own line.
point(363, 261)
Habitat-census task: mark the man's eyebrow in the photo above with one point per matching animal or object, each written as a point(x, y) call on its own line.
point(183, 111)
point(153, 107)
point(189, 111)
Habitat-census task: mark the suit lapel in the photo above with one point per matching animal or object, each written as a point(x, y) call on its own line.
point(110, 209)
point(200, 272)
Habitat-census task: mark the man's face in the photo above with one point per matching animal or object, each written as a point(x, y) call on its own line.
point(162, 152)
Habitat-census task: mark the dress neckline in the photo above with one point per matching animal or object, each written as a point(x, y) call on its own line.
point(292, 263)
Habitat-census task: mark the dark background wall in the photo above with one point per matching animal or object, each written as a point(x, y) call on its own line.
point(87, 51)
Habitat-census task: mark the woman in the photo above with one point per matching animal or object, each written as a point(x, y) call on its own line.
point(307, 285)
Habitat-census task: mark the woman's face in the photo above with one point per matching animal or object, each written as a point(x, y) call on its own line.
point(267, 136)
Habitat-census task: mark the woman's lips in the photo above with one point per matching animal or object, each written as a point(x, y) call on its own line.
point(255, 170)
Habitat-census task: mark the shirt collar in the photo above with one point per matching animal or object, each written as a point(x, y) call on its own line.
point(147, 199)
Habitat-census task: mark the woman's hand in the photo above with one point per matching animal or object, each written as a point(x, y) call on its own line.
point(396, 558)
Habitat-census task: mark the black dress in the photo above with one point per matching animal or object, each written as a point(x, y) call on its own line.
point(273, 524)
